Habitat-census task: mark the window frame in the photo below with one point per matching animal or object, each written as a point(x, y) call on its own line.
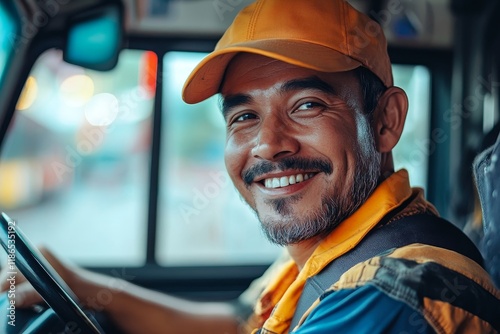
point(439, 62)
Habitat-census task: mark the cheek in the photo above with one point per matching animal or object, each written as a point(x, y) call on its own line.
point(339, 144)
point(365, 135)
point(231, 159)
point(235, 159)
point(332, 140)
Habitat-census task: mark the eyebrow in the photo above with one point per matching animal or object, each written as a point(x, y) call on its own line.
point(309, 83)
point(232, 101)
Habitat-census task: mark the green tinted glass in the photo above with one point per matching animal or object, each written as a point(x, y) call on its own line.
point(95, 42)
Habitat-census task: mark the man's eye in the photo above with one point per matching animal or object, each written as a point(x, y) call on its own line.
point(244, 117)
point(309, 106)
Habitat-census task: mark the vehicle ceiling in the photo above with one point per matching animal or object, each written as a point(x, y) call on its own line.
point(429, 22)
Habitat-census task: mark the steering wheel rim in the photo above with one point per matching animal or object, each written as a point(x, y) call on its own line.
point(43, 277)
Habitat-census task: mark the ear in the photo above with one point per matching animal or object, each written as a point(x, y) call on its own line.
point(389, 118)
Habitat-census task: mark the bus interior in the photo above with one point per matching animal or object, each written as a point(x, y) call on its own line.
point(102, 161)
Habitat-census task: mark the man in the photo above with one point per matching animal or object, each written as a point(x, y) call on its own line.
point(312, 116)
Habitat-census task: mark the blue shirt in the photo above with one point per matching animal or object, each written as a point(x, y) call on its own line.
point(363, 310)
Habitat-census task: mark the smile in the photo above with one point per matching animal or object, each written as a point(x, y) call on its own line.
point(284, 181)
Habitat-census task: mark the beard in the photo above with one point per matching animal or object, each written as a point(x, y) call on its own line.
point(335, 206)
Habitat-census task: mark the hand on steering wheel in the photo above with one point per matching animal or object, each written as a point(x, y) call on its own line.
point(42, 276)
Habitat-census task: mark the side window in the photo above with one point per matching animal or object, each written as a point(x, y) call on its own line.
point(412, 151)
point(74, 168)
point(201, 218)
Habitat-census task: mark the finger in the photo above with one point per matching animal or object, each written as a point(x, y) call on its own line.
point(54, 261)
point(11, 269)
point(26, 296)
point(64, 269)
point(6, 276)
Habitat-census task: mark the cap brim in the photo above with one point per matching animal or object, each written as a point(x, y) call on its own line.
point(206, 78)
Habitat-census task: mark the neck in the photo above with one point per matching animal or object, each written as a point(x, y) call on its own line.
point(302, 251)
point(386, 165)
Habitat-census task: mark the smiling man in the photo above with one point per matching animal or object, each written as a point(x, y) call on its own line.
point(311, 119)
point(283, 151)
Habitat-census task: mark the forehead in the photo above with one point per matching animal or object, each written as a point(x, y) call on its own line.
point(248, 72)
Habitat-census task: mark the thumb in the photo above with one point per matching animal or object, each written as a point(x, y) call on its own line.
point(26, 295)
point(6, 276)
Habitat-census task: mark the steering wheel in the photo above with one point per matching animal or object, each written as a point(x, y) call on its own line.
point(62, 301)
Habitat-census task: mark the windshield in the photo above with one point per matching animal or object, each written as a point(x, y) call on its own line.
point(7, 38)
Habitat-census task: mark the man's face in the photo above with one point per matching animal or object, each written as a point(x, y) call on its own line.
point(299, 149)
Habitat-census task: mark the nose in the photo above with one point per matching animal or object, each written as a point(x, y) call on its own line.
point(275, 140)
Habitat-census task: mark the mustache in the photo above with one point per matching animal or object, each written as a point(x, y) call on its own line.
point(287, 163)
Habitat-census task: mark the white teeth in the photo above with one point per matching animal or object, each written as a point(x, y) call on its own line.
point(286, 180)
point(283, 181)
point(276, 183)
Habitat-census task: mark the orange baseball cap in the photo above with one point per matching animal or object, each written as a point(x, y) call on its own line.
point(323, 35)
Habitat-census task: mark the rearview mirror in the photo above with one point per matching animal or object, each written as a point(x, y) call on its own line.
point(94, 40)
